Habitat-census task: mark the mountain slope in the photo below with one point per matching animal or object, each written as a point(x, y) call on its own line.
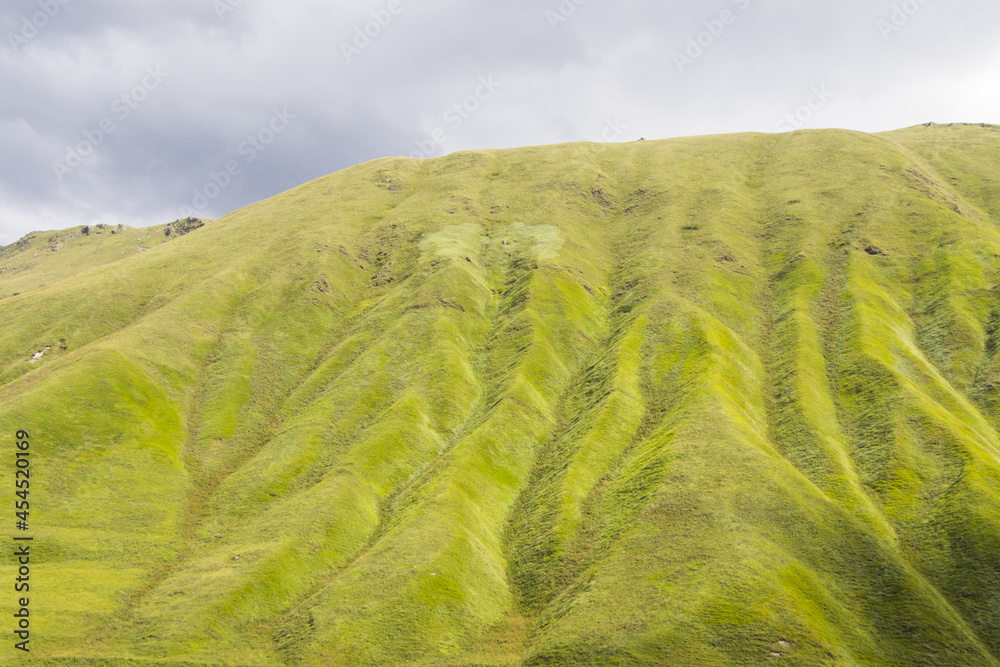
point(716, 400)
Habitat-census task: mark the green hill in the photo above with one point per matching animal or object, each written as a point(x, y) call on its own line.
point(728, 400)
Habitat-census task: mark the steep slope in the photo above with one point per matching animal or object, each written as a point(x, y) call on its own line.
point(717, 400)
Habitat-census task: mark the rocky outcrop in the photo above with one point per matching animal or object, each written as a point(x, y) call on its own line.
point(182, 227)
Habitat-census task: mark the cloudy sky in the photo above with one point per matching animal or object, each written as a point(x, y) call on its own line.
point(136, 111)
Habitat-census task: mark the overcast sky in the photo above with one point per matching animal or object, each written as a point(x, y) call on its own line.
point(136, 111)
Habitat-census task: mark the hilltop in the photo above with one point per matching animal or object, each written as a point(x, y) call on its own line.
point(725, 400)
point(41, 258)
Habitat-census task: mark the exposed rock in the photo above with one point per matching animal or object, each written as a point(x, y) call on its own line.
point(390, 182)
point(322, 285)
point(182, 227)
point(602, 197)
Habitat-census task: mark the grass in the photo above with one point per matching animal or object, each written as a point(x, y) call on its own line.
point(718, 400)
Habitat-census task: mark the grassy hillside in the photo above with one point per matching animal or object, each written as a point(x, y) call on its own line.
point(43, 258)
point(723, 400)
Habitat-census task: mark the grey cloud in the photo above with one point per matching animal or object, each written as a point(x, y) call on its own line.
point(607, 62)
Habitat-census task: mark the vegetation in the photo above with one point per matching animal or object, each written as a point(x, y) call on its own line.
point(709, 401)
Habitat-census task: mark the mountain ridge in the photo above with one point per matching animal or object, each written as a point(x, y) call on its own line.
point(714, 400)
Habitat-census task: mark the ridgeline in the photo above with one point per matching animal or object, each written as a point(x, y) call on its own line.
point(728, 400)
